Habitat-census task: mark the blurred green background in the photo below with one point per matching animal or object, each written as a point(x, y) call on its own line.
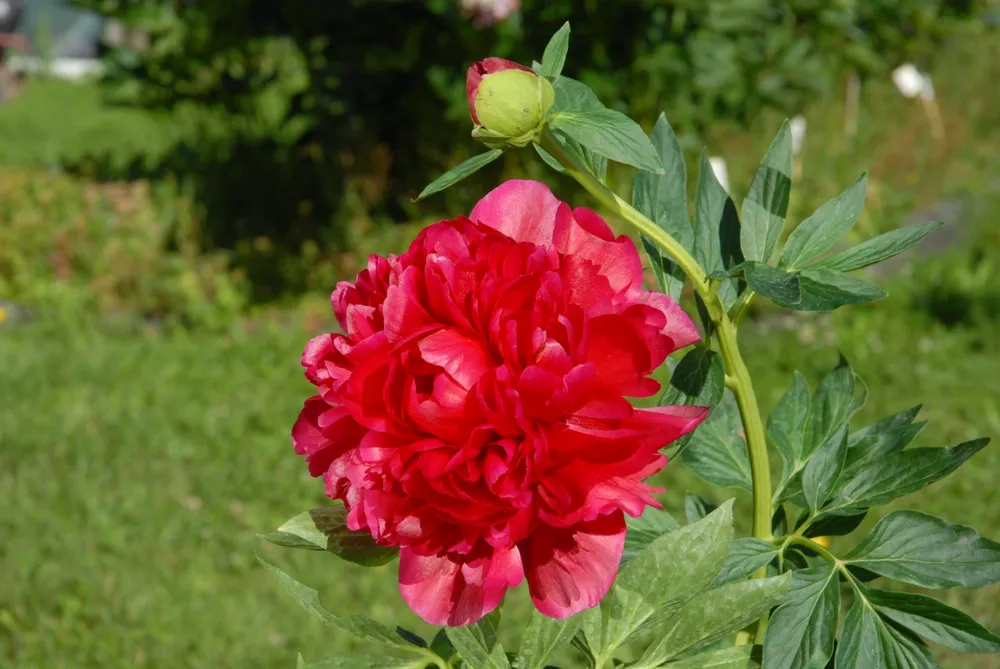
point(170, 233)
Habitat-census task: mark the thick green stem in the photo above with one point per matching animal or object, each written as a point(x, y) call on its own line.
point(738, 377)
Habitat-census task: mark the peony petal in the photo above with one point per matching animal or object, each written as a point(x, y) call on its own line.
point(664, 425)
point(571, 569)
point(317, 349)
point(404, 315)
point(444, 591)
point(463, 357)
point(620, 355)
point(307, 436)
point(323, 433)
point(581, 492)
point(679, 327)
point(591, 437)
point(585, 238)
point(523, 210)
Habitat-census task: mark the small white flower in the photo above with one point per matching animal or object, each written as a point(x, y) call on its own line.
point(908, 80)
point(797, 126)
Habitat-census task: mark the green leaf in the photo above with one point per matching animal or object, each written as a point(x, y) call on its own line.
point(746, 556)
point(826, 226)
point(573, 94)
point(670, 571)
point(822, 472)
point(360, 626)
point(878, 446)
point(543, 636)
point(669, 276)
point(459, 172)
point(411, 637)
point(802, 631)
point(766, 204)
point(934, 621)
point(786, 426)
point(831, 407)
point(900, 474)
point(325, 529)
point(779, 521)
point(554, 57)
point(779, 285)
point(883, 426)
point(867, 640)
point(825, 290)
point(611, 134)
point(477, 644)
point(835, 526)
point(717, 451)
point(548, 159)
point(880, 248)
point(641, 531)
point(712, 615)
point(663, 199)
point(716, 230)
point(699, 379)
point(442, 646)
point(696, 508)
point(737, 657)
point(592, 162)
point(588, 639)
point(355, 661)
point(918, 548)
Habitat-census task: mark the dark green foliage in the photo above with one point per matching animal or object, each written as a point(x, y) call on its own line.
point(300, 120)
point(663, 199)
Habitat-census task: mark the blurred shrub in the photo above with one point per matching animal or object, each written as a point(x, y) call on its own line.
point(959, 287)
point(109, 249)
point(307, 121)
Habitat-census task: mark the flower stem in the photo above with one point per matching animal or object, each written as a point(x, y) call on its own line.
point(794, 539)
point(738, 377)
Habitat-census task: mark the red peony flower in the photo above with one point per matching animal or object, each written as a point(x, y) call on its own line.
point(474, 411)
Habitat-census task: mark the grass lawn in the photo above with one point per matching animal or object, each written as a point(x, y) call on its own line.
point(134, 474)
point(135, 471)
point(53, 122)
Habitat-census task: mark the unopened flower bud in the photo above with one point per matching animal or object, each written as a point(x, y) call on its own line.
point(507, 100)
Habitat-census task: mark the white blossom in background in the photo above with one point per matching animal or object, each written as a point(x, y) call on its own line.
point(489, 12)
point(908, 80)
point(927, 88)
point(797, 126)
point(721, 171)
point(912, 83)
